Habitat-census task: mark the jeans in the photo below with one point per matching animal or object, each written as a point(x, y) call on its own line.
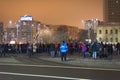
point(84, 54)
point(94, 55)
point(52, 54)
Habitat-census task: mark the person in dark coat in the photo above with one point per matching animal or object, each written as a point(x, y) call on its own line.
point(2, 46)
point(52, 50)
point(118, 48)
point(94, 50)
point(110, 50)
point(30, 50)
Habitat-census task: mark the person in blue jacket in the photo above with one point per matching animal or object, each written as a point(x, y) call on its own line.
point(63, 50)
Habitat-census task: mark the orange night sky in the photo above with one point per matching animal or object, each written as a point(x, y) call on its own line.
point(56, 12)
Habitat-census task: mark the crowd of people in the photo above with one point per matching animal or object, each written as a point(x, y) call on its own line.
point(93, 49)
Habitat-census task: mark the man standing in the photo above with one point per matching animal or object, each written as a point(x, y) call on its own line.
point(63, 50)
point(30, 50)
point(94, 50)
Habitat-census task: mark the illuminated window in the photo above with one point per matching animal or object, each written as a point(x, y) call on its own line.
point(100, 32)
point(111, 39)
point(111, 31)
point(106, 40)
point(117, 1)
point(116, 39)
point(113, 13)
point(106, 31)
point(116, 31)
point(100, 39)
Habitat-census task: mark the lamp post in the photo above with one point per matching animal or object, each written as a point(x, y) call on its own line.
point(38, 32)
point(17, 31)
point(88, 26)
point(95, 26)
point(31, 33)
point(91, 26)
point(17, 26)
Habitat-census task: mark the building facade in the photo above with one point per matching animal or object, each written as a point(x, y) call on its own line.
point(9, 35)
point(108, 33)
point(111, 10)
point(26, 31)
point(1, 32)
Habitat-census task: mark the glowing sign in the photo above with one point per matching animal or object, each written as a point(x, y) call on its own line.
point(26, 18)
point(12, 42)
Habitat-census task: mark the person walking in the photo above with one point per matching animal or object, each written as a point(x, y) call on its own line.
point(63, 51)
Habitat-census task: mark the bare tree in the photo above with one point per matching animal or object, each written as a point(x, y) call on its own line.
point(61, 33)
point(82, 35)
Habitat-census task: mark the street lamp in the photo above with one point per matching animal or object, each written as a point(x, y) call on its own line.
point(95, 26)
point(17, 26)
point(38, 32)
point(88, 26)
point(31, 33)
point(91, 25)
point(10, 22)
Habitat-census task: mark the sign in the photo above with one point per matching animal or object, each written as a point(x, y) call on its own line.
point(12, 42)
point(26, 18)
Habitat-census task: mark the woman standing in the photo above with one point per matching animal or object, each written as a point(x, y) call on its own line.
point(84, 48)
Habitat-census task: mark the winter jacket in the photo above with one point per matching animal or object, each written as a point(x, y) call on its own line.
point(63, 48)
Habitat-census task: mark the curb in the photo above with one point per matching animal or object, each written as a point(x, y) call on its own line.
point(111, 64)
point(9, 60)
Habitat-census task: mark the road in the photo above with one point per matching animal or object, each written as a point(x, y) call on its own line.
point(34, 70)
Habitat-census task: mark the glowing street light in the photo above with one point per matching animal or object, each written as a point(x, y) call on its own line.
point(31, 26)
point(95, 24)
point(17, 26)
point(10, 22)
point(91, 25)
